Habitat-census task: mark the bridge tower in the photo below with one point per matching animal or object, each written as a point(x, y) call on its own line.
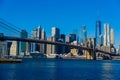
point(90, 54)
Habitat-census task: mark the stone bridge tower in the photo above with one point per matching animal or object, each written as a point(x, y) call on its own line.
point(90, 54)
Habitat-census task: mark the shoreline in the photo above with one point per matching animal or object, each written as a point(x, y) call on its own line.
point(4, 60)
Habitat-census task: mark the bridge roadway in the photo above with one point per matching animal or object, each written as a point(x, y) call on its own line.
point(3, 38)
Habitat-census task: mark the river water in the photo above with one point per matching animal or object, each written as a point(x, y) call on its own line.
point(61, 69)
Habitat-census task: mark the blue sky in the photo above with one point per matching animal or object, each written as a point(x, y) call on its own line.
point(68, 15)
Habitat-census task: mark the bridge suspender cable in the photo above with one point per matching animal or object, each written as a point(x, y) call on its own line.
point(5, 24)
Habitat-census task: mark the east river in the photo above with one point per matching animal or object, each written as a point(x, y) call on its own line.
point(61, 69)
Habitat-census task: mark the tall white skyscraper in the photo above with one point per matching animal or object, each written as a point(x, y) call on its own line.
point(55, 32)
point(106, 34)
point(112, 36)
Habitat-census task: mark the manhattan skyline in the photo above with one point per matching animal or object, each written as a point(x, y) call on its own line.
point(66, 15)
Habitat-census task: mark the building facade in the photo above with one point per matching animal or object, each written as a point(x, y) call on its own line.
point(84, 34)
point(62, 36)
point(43, 46)
point(98, 31)
point(14, 49)
point(55, 33)
point(49, 46)
point(36, 34)
point(112, 37)
point(100, 41)
point(106, 34)
point(68, 39)
point(73, 37)
point(55, 38)
point(61, 49)
point(22, 45)
point(3, 49)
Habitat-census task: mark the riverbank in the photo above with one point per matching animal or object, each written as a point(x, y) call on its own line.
point(4, 60)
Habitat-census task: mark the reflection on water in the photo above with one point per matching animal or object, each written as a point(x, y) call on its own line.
point(107, 71)
point(55, 69)
point(51, 70)
point(12, 75)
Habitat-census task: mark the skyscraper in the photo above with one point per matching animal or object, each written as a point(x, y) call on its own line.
point(98, 31)
point(56, 33)
point(3, 48)
point(36, 34)
point(62, 36)
point(22, 46)
point(43, 35)
point(112, 36)
point(68, 39)
point(56, 36)
point(73, 37)
point(106, 34)
point(84, 34)
point(100, 41)
point(8, 47)
point(43, 46)
point(61, 49)
point(39, 33)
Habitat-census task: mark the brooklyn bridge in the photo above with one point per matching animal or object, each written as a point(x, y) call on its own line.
point(90, 50)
